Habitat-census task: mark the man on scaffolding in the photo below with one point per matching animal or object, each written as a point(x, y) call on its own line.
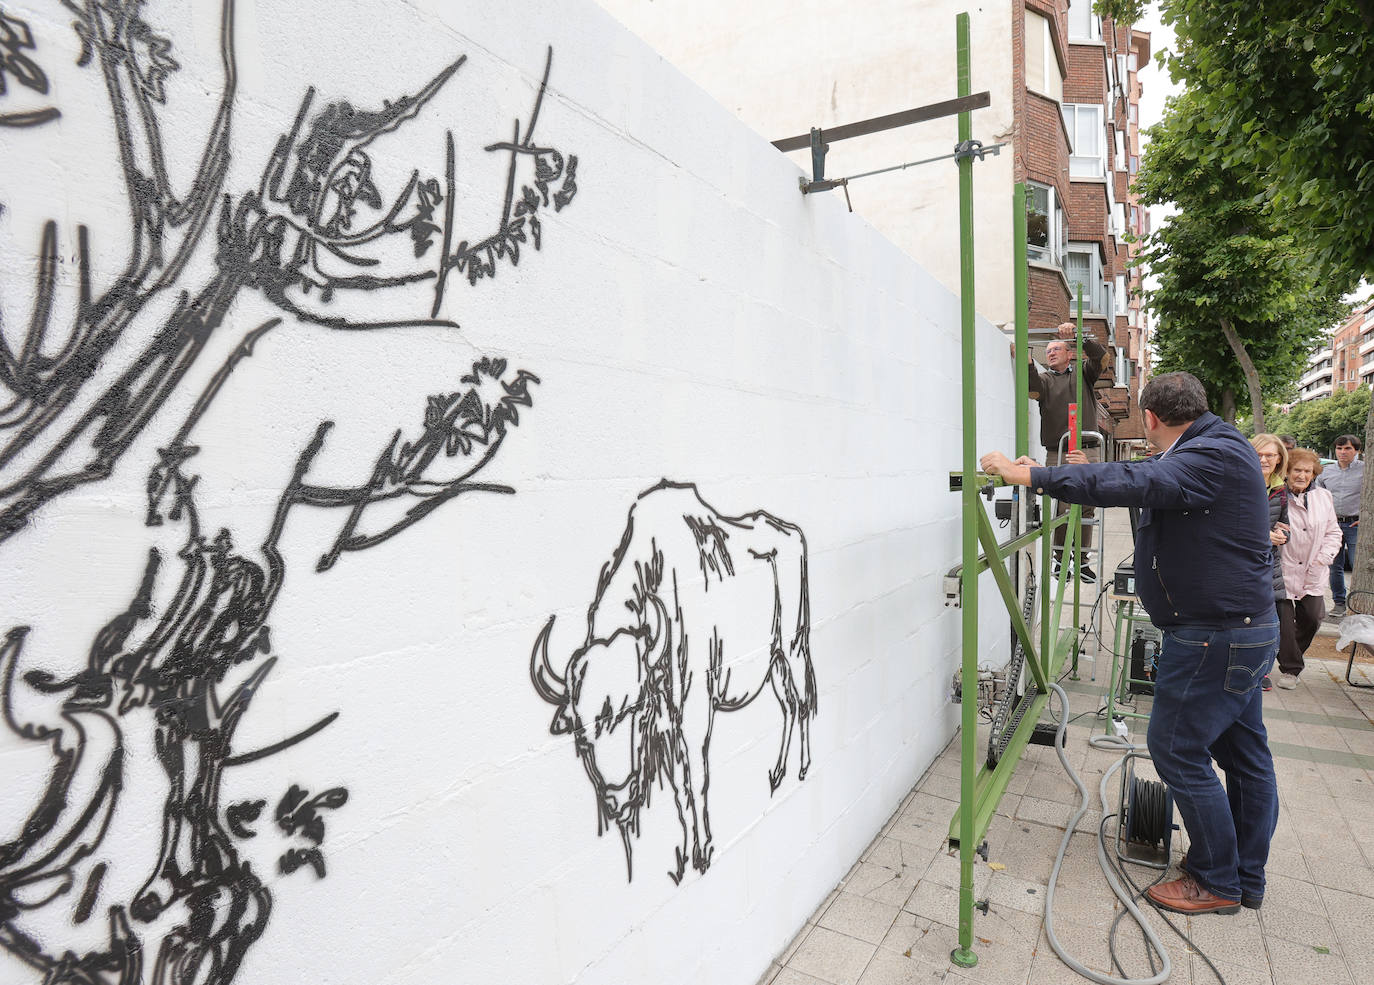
point(1055, 388)
point(1203, 573)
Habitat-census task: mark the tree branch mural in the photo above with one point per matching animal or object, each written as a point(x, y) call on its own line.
point(300, 239)
point(177, 670)
point(17, 63)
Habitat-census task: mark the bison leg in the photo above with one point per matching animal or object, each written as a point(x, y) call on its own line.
point(781, 679)
point(697, 779)
point(682, 797)
point(692, 773)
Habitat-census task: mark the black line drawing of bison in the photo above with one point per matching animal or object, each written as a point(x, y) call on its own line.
point(695, 613)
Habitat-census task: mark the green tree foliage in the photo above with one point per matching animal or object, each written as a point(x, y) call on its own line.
point(1239, 301)
point(1284, 91)
point(1317, 423)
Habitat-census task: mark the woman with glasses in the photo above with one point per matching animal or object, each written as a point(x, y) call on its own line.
point(1314, 537)
point(1273, 456)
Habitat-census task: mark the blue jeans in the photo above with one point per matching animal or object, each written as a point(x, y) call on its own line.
point(1208, 705)
point(1345, 558)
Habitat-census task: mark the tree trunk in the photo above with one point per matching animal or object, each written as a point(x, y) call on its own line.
point(1228, 406)
point(1363, 578)
point(1247, 367)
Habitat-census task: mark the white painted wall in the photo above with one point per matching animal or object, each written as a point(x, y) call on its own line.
point(785, 66)
point(689, 315)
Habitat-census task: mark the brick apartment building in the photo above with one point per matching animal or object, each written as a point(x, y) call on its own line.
point(1352, 349)
point(1065, 90)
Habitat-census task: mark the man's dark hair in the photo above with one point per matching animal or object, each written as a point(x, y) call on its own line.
point(1289, 441)
point(1175, 398)
point(1348, 439)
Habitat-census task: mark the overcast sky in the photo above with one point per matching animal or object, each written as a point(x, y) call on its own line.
point(1153, 79)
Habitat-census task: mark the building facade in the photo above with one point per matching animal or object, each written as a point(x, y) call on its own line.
point(1352, 349)
point(1347, 362)
point(1316, 380)
point(1065, 89)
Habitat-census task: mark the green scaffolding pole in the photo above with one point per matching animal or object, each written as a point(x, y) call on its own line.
point(963, 954)
point(981, 789)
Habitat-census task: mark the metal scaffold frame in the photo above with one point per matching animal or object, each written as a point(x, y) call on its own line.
point(981, 789)
point(982, 786)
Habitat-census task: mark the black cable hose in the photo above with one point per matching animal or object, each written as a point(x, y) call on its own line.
point(1148, 804)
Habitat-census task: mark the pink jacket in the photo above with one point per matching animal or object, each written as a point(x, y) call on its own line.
point(1314, 537)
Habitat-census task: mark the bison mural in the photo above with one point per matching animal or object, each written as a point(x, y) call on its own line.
point(695, 613)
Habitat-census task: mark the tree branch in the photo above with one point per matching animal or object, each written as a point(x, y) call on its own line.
point(1247, 367)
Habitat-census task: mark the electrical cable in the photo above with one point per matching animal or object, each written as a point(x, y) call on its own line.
point(1147, 820)
point(1152, 939)
point(1114, 874)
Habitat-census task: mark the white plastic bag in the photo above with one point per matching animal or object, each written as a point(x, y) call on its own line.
point(1356, 629)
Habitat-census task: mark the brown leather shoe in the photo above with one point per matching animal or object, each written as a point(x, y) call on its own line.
point(1186, 896)
point(1247, 900)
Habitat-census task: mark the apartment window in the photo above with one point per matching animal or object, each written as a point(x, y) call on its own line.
point(1086, 139)
point(1137, 220)
point(1121, 75)
point(1083, 269)
point(1046, 231)
point(1131, 112)
point(1123, 299)
point(1084, 25)
point(1120, 140)
point(1042, 68)
point(1119, 220)
point(1135, 164)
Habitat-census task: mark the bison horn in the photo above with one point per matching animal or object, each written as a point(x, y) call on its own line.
point(547, 683)
point(663, 640)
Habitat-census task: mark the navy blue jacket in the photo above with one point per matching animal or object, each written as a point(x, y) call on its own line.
point(1202, 553)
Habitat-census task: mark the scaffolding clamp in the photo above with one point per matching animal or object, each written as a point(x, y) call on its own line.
point(975, 148)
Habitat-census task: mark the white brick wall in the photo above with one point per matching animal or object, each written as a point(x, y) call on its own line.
point(689, 315)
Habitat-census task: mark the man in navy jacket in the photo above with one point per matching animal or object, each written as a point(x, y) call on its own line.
point(1204, 574)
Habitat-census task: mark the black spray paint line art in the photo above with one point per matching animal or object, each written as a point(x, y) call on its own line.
point(189, 673)
point(299, 239)
point(18, 66)
point(639, 696)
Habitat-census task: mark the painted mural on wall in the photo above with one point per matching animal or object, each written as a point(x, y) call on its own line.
point(696, 613)
point(171, 677)
point(21, 69)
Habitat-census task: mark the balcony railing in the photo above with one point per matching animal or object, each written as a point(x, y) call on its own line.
point(1314, 375)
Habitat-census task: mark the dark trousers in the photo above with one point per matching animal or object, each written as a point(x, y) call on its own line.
point(1298, 622)
point(1085, 534)
point(1344, 560)
point(1208, 706)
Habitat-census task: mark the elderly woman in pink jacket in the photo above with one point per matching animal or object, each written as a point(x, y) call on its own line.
point(1314, 537)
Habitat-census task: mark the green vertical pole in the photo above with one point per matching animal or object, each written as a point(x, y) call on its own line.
point(1073, 538)
point(963, 954)
point(1022, 316)
point(1021, 370)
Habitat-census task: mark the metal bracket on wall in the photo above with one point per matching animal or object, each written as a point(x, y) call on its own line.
point(819, 140)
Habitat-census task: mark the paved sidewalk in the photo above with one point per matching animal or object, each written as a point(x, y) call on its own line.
point(892, 919)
